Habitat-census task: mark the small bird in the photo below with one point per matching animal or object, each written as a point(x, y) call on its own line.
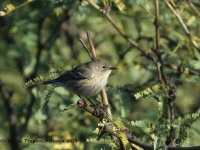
point(87, 79)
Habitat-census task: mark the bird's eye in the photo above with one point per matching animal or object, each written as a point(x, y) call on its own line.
point(104, 67)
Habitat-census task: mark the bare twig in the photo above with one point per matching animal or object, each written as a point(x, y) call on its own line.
point(126, 37)
point(157, 25)
point(87, 50)
point(94, 56)
point(104, 95)
point(181, 69)
point(109, 129)
point(194, 8)
point(132, 42)
point(162, 76)
point(159, 63)
point(156, 57)
point(97, 112)
point(106, 104)
point(178, 16)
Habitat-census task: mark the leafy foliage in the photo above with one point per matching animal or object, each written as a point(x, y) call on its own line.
point(183, 124)
point(103, 141)
point(147, 90)
point(35, 34)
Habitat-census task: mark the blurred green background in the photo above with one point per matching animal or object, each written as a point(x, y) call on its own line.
point(49, 31)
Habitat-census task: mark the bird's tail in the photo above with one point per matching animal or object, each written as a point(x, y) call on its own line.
point(40, 83)
point(47, 82)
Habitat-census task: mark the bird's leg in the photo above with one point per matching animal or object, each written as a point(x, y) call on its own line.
point(104, 110)
point(81, 97)
point(88, 100)
point(95, 110)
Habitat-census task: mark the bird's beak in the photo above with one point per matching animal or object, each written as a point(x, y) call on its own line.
point(113, 68)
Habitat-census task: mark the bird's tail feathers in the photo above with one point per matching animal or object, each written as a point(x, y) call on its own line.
point(46, 82)
point(40, 83)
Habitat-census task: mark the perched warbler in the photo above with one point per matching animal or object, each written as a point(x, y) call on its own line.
point(87, 79)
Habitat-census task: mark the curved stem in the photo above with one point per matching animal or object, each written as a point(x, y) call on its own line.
point(104, 95)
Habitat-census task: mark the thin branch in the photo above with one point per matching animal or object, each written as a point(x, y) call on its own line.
point(39, 49)
point(33, 74)
point(6, 97)
point(157, 25)
point(99, 113)
point(52, 37)
point(162, 77)
point(194, 8)
point(157, 59)
point(94, 56)
point(178, 16)
point(27, 115)
point(126, 37)
point(109, 129)
point(159, 63)
point(104, 95)
point(87, 50)
point(14, 8)
point(184, 148)
point(106, 104)
point(181, 69)
point(157, 50)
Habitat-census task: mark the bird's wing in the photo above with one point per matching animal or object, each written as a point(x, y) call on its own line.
point(78, 73)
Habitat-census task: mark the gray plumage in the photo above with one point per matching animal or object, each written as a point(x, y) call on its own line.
point(87, 79)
